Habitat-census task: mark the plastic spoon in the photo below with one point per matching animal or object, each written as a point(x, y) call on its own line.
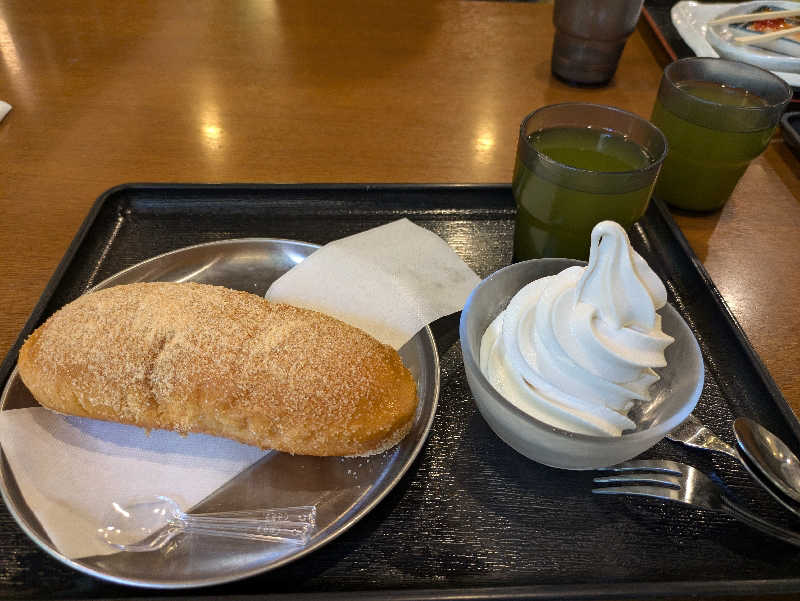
point(147, 525)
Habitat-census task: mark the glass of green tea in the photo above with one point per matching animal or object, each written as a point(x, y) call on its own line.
point(578, 164)
point(718, 115)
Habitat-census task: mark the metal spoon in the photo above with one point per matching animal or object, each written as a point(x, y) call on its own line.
point(770, 455)
point(693, 433)
point(149, 524)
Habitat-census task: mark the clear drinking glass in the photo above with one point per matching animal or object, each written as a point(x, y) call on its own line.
point(674, 395)
point(718, 115)
point(578, 164)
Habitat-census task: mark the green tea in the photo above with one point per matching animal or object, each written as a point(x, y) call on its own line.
point(704, 164)
point(554, 217)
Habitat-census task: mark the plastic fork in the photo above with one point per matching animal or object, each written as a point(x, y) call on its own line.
point(673, 481)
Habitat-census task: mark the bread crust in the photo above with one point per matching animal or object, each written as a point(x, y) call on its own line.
point(198, 358)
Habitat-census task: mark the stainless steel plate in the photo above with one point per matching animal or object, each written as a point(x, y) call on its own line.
point(343, 489)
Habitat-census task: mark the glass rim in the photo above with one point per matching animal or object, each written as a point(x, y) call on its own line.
point(744, 109)
point(654, 163)
point(472, 363)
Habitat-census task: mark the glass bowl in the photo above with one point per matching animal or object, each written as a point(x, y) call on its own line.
point(675, 394)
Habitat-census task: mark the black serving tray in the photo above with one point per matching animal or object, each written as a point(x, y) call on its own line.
point(472, 518)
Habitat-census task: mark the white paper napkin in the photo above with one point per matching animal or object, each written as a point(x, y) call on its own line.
point(4, 108)
point(71, 469)
point(390, 281)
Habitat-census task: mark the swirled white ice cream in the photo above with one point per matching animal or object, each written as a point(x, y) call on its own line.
point(577, 350)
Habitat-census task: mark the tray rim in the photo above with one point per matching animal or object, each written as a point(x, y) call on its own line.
point(10, 357)
point(733, 323)
point(675, 231)
point(629, 590)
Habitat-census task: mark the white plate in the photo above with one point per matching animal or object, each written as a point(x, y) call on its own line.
point(343, 489)
point(690, 20)
point(721, 39)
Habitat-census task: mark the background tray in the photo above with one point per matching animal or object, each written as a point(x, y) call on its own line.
point(656, 13)
point(471, 515)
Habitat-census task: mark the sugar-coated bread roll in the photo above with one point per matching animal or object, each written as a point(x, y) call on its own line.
point(199, 358)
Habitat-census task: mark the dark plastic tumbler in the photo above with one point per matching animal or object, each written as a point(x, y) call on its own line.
point(590, 37)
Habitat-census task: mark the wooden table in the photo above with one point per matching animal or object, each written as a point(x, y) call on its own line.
point(314, 91)
point(106, 93)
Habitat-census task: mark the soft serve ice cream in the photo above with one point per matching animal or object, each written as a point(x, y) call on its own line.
point(577, 350)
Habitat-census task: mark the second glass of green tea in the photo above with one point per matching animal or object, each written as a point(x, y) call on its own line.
point(578, 164)
point(718, 115)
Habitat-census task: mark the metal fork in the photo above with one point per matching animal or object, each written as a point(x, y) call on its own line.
point(693, 433)
point(673, 481)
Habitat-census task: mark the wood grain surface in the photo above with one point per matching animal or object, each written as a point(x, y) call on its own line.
point(107, 92)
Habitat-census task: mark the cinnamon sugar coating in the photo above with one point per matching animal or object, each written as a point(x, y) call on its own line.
point(199, 358)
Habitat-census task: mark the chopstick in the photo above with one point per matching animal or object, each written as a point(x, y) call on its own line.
point(765, 37)
point(747, 18)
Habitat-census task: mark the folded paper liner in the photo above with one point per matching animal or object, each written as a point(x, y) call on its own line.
point(390, 281)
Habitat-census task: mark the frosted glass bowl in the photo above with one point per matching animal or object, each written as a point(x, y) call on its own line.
point(675, 394)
